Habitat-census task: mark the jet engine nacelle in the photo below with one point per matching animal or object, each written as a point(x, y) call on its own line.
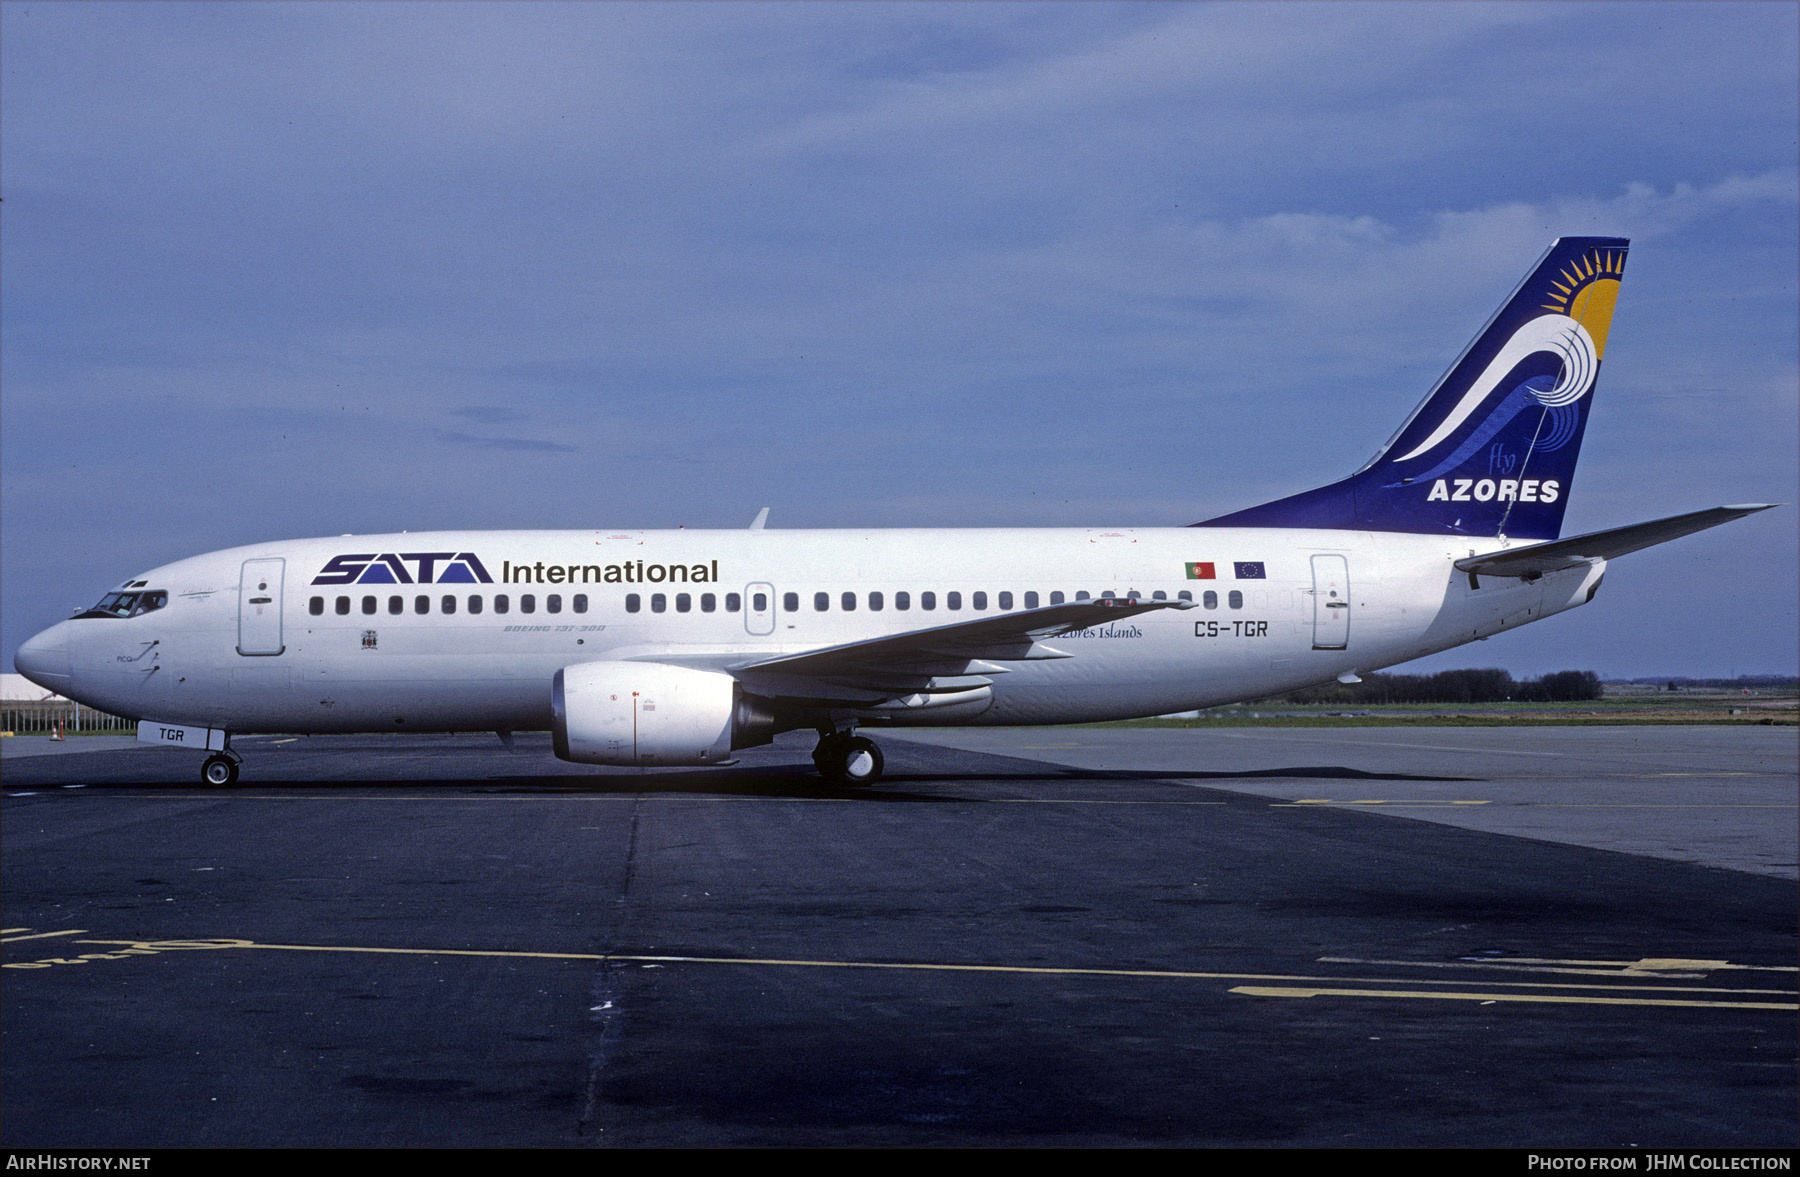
point(647, 714)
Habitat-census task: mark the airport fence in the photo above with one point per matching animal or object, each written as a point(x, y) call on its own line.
point(32, 718)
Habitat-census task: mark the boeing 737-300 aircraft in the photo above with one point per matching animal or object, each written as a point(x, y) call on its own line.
point(654, 648)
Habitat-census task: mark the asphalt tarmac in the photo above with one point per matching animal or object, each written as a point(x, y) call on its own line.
point(1193, 939)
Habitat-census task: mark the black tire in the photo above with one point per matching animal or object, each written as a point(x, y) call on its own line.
point(219, 771)
point(858, 762)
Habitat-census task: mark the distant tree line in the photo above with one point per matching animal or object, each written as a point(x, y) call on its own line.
point(1744, 681)
point(1457, 686)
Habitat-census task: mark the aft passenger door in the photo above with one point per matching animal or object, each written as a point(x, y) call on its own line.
point(759, 608)
point(1331, 602)
point(259, 607)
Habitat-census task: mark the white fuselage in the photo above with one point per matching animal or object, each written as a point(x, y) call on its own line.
point(298, 656)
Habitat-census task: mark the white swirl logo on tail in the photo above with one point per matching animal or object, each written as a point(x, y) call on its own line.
point(1557, 334)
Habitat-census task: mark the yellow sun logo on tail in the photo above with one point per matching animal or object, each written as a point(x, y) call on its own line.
point(1587, 291)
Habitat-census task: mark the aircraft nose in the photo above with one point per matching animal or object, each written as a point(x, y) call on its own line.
point(45, 659)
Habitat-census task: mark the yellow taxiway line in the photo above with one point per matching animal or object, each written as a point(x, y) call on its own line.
point(1296, 985)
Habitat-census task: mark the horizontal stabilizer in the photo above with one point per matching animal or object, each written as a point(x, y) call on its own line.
point(1562, 554)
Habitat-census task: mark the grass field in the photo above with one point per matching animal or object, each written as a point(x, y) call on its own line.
point(1621, 705)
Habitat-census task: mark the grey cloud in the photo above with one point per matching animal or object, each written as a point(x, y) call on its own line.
point(508, 443)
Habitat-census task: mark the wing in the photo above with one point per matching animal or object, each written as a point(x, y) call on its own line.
point(941, 662)
point(1532, 562)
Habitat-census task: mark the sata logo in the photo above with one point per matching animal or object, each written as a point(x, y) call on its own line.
point(404, 568)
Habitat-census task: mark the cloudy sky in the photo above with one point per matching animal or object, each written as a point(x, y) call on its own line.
point(273, 270)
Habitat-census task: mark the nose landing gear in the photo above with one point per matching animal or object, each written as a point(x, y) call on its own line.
point(221, 768)
point(848, 759)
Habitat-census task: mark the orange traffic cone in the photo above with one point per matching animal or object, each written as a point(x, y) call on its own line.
point(58, 733)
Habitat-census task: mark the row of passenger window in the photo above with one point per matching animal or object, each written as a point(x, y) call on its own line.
point(396, 605)
point(759, 602)
point(903, 601)
point(684, 602)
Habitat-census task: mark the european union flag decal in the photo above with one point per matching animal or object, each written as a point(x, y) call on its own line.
point(1249, 570)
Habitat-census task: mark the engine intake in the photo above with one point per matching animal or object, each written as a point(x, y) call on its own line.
point(646, 714)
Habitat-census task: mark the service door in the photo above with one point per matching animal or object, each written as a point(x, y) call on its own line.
point(1331, 602)
point(759, 608)
point(259, 607)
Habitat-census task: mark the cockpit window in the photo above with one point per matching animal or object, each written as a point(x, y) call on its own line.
point(116, 604)
point(127, 604)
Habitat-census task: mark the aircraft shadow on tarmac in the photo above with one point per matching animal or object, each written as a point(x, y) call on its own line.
point(774, 780)
point(1062, 773)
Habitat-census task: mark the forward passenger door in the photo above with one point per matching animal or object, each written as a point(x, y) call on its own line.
point(259, 607)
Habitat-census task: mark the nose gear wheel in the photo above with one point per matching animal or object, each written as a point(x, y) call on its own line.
point(219, 770)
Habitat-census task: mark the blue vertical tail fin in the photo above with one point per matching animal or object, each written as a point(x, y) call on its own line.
point(1491, 449)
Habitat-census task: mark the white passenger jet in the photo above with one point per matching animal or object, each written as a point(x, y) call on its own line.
point(656, 648)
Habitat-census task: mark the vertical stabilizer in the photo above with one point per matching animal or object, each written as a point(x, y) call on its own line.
point(1491, 450)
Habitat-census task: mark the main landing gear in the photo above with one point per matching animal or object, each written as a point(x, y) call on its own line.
point(221, 768)
point(847, 758)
